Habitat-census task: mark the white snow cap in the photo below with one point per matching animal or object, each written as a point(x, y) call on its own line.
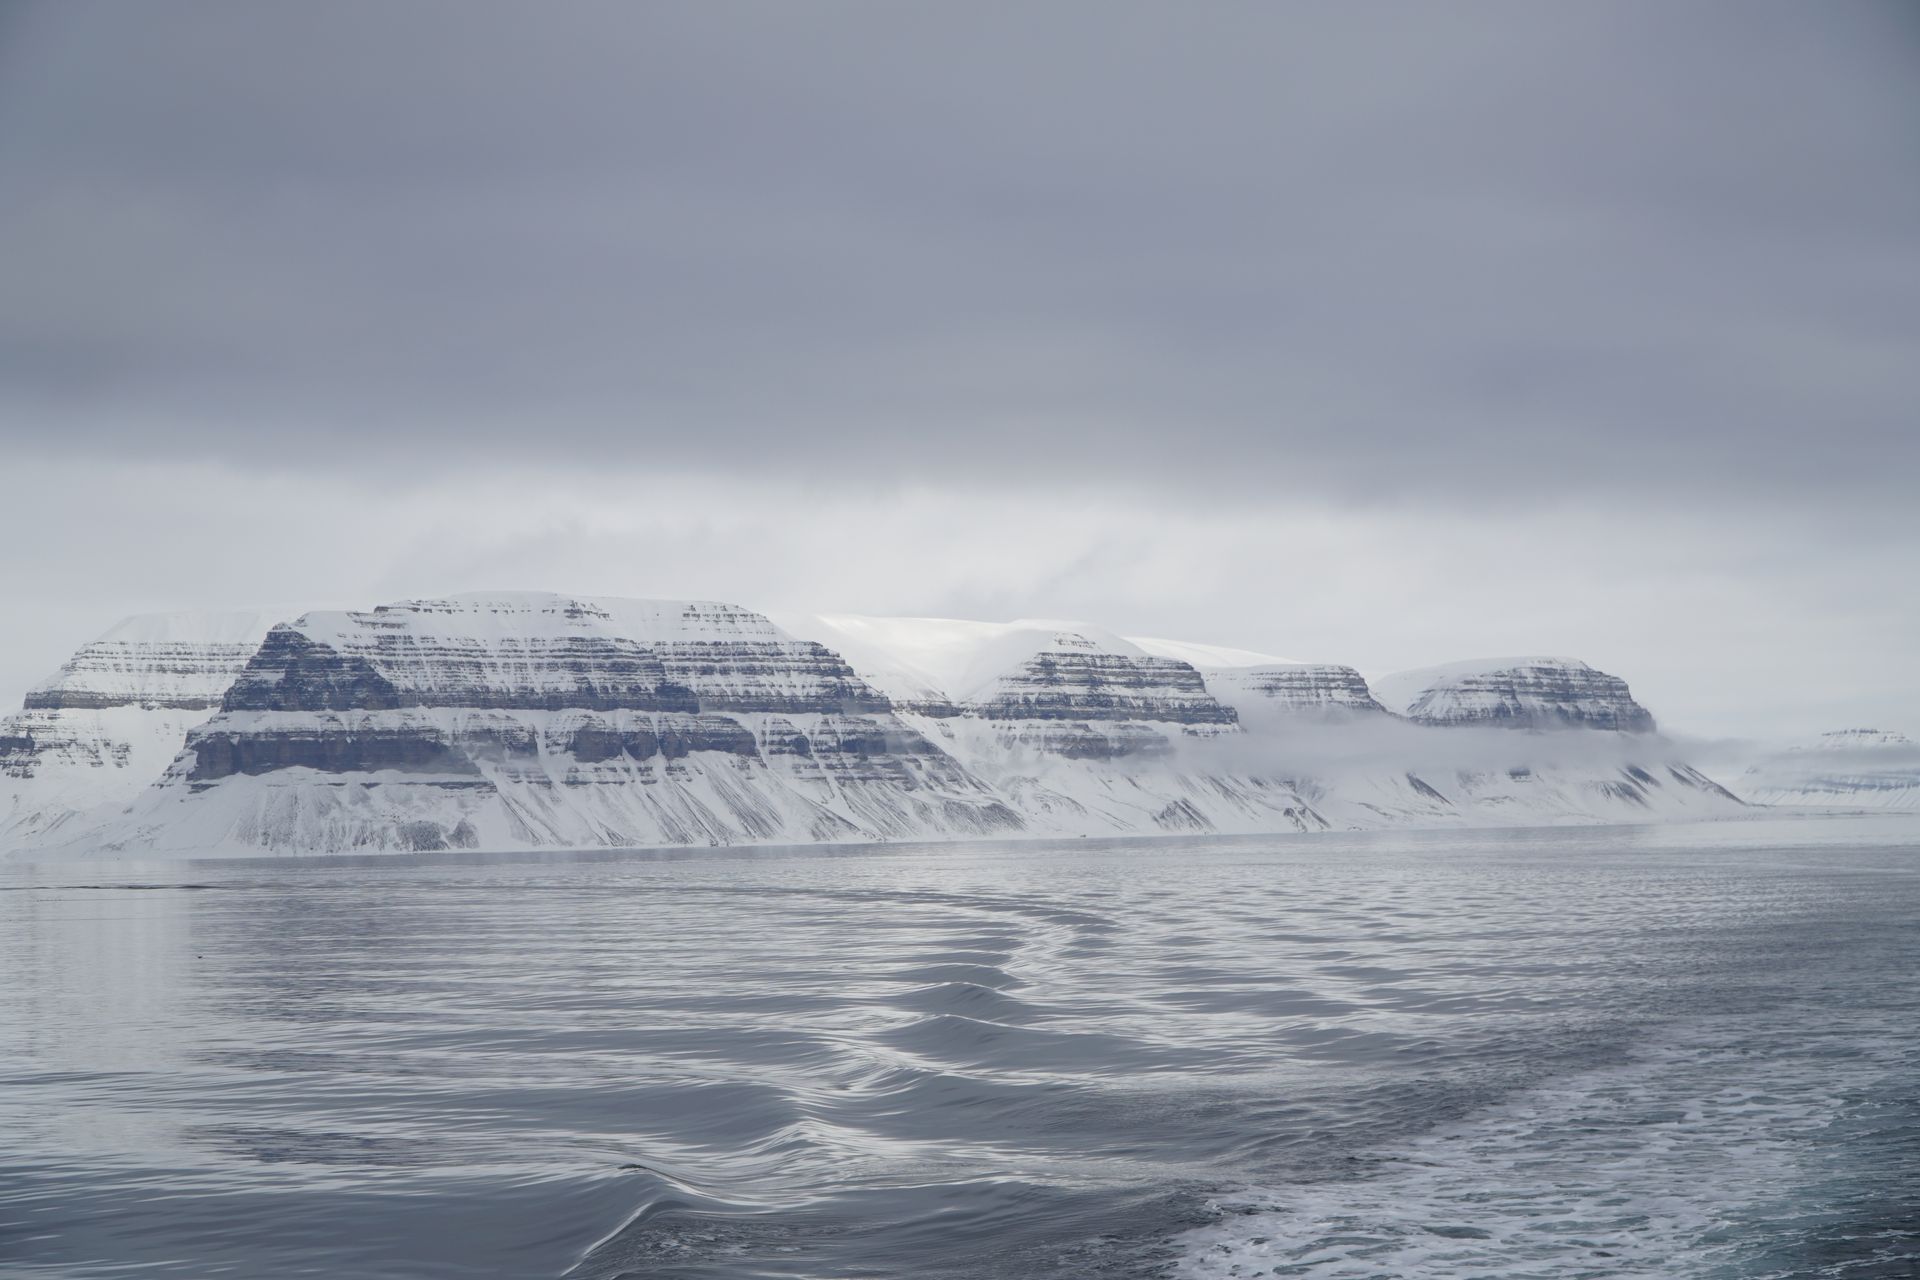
point(917, 659)
point(520, 615)
point(237, 626)
point(1211, 657)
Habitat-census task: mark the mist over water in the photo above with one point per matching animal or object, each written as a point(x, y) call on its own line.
point(1630, 1051)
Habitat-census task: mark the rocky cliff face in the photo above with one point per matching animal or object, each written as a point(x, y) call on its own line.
point(1072, 679)
point(1358, 764)
point(158, 661)
point(1517, 693)
point(524, 720)
point(1088, 732)
point(1083, 731)
point(1085, 698)
point(1262, 686)
point(1847, 768)
point(109, 722)
point(529, 720)
point(1296, 691)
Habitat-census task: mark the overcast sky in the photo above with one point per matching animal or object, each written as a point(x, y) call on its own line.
point(1378, 333)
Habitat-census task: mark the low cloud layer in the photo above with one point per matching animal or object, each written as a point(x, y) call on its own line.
point(1738, 631)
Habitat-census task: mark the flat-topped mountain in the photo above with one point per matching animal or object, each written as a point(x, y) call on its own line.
point(1082, 730)
point(546, 720)
point(531, 719)
point(1516, 693)
point(1262, 685)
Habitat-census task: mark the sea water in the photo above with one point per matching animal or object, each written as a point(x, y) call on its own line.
point(1684, 1051)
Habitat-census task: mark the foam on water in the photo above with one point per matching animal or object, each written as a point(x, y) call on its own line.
point(1729, 1147)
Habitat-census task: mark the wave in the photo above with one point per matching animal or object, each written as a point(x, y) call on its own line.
point(1730, 1147)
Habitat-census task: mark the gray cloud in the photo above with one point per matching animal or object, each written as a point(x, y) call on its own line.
point(1385, 333)
point(1375, 249)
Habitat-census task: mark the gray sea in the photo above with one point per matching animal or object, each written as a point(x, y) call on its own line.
point(1662, 1051)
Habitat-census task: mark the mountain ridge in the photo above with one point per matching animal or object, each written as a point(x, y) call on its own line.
point(1855, 768)
point(535, 719)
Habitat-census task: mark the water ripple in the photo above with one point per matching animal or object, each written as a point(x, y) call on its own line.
point(1339, 1055)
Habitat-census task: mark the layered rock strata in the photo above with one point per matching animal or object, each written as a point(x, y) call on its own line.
point(1516, 693)
point(111, 720)
point(1294, 691)
point(1082, 730)
point(533, 720)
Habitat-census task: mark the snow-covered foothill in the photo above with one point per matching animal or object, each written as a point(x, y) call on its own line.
point(1846, 768)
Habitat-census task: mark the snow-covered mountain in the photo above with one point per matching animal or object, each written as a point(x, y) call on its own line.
point(530, 720)
point(1260, 686)
point(1847, 768)
point(112, 719)
point(1126, 746)
point(1081, 730)
point(1518, 693)
point(1294, 692)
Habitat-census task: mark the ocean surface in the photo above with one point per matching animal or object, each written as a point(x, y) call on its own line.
point(1687, 1051)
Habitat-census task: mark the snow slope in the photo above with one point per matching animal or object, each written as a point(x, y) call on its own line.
point(1081, 730)
point(114, 716)
point(529, 720)
point(1307, 746)
point(514, 720)
point(1847, 768)
point(1210, 656)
